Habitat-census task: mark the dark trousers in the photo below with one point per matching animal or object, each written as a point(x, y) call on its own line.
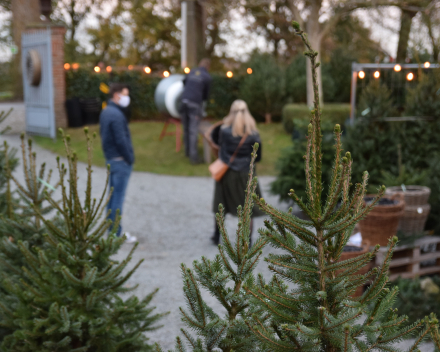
point(119, 175)
point(191, 116)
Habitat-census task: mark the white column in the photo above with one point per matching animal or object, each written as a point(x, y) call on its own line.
point(184, 34)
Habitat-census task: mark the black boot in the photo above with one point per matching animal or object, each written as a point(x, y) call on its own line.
point(216, 237)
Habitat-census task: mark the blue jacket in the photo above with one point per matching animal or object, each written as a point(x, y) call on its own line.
point(197, 84)
point(115, 135)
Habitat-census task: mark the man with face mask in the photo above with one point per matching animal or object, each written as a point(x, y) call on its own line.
point(118, 149)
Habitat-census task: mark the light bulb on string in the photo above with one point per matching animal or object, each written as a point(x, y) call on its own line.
point(249, 71)
point(187, 70)
point(427, 64)
point(166, 74)
point(410, 76)
point(376, 74)
point(361, 74)
point(97, 69)
point(108, 69)
point(229, 74)
point(397, 68)
point(147, 70)
point(66, 66)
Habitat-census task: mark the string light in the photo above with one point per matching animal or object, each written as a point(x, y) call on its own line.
point(229, 74)
point(108, 69)
point(66, 66)
point(187, 70)
point(376, 74)
point(397, 68)
point(130, 67)
point(166, 74)
point(75, 66)
point(147, 70)
point(249, 71)
point(97, 69)
point(361, 74)
point(427, 64)
point(410, 76)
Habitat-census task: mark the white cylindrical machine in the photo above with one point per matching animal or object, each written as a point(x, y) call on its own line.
point(168, 93)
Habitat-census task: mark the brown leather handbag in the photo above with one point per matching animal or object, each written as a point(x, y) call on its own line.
point(218, 168)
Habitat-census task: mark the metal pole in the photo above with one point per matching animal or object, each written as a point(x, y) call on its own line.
point(353, 93)
point(184, 39)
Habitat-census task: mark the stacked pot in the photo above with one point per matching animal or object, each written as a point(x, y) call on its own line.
point(416, 209)
point(382, 221)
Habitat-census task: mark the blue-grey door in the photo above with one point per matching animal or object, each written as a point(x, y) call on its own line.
point(38, 82)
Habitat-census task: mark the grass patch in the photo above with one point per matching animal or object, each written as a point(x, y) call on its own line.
point(160, 157)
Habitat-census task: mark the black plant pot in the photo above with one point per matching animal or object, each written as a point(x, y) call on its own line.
point(91, 108)
point(74, 113)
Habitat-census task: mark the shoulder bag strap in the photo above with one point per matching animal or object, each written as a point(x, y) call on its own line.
point(243, 139)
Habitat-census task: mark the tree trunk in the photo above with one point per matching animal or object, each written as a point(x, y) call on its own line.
point(268, 117)
point(312, 29)
point(405, 29)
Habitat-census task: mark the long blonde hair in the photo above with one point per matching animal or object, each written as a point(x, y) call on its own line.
point(240, 119)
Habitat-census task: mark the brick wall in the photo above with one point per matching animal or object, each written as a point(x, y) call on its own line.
point(59, 77)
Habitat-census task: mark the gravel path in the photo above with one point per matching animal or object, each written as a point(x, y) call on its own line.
point(172, 218)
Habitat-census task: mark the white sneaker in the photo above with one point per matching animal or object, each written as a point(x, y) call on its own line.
point(129, 238)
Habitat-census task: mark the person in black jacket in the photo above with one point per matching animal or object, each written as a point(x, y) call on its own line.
point(196, 90)
point(230, 190)
point(118, 149)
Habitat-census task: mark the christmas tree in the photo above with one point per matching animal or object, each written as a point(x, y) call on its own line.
point(307, 305)
point(21, 222)
point(69, 297)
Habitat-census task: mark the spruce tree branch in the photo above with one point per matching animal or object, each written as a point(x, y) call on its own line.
point(406, 332)
point(309, 189)
point(221, 225)
point(301, 204)
point(275, 214)
point(265, 302)
point(316, 124)
point(216, 338)
point(284, 246)
point(435, 335)
point(263, 337)
point(356, 218)
point(383, 270)
point(358, 314)
point(359, 259)
point(294, 267)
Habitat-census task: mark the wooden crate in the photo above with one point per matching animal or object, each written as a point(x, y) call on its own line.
point(409, 261)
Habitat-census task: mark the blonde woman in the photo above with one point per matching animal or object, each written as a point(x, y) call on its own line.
point(230, 190)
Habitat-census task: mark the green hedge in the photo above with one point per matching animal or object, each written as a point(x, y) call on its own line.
point(294, 113)
point(85, 84)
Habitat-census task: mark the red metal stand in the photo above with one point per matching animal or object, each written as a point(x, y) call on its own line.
point(177, 133)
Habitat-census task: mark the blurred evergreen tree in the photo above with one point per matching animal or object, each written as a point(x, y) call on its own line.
point(69, 296)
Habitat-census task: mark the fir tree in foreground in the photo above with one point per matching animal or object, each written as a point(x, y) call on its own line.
point(69, 297)
point(307, 304)
point(224, 278)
